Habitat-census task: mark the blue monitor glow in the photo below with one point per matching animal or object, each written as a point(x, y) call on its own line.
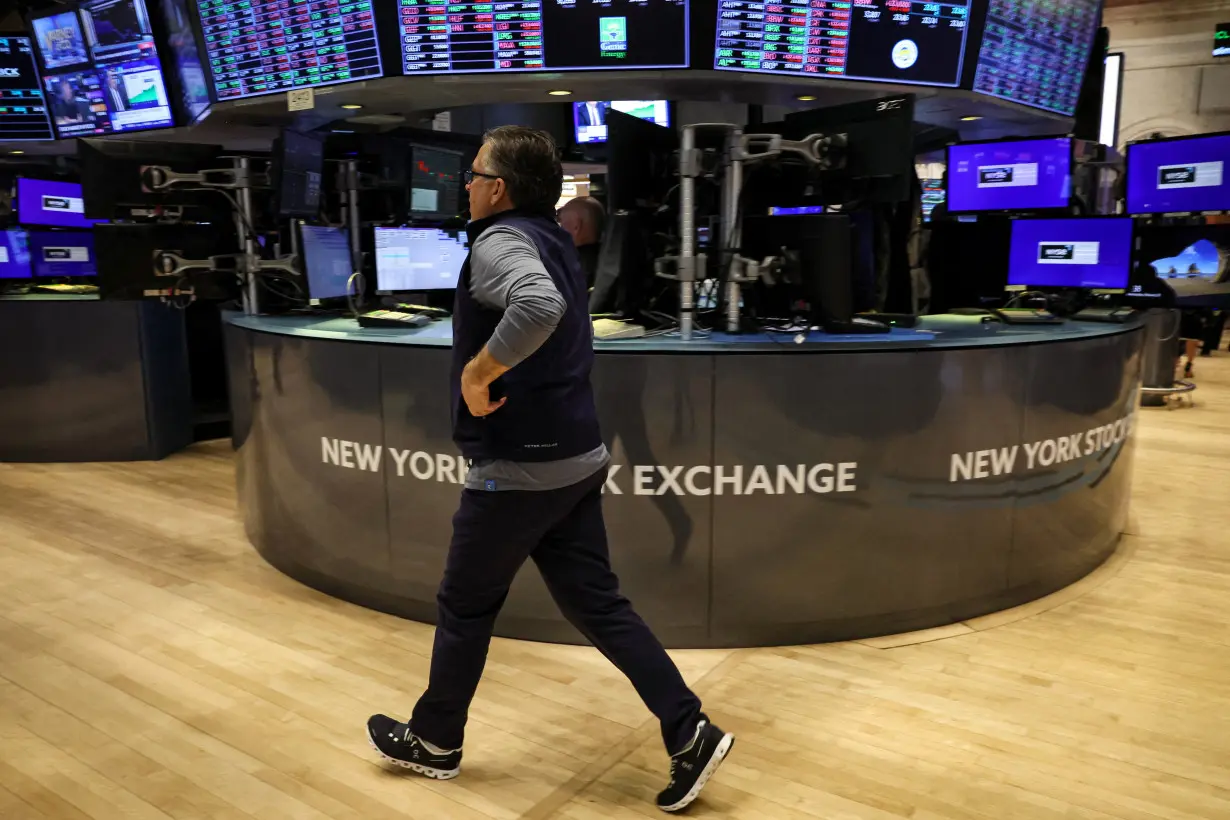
point(14, 254)
point(933, 194)
point(413, 260)
point(23, 114)
point(589, 118)
point(326, 261)
point(1017, 175)
point(51, 202)
point(59, 38)
point(1179, 175)
point(798, 210)
point(62, 254)
point(1093, 253)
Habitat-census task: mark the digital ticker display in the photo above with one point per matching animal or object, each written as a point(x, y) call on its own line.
point(542, 35)
point(1036, 52)
point(23, 114)
point(258, 47)
point(898, 41)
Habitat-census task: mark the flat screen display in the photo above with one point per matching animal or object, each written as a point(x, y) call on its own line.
point(933, 194)
point(59, 38)
point(301, 164)
point(897, 41)
point(1036, 52)
point(1173, 176)
point(193, 87)
point(51, 202)
point(14, 254)
point(1093, 253)
point(589, 118)
point(23, 114)
point(1024, 175)
point(418, 259)
point(1186, 252)
point(326, 261)
point(264, 46)
point(542, 35)
point(435, 182)
point(62, 254)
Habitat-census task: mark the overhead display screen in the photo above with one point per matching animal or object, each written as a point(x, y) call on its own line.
point(1035, 52)
point(898, 41)
point(1179, 176)
point(193, 87)
point(23, 114)
point(542, 35)
point(114, 83)
point(258, 47)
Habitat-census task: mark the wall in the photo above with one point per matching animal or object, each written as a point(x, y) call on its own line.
point(1169, 61)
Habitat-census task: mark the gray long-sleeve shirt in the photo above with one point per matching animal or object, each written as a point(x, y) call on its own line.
point(507, 274)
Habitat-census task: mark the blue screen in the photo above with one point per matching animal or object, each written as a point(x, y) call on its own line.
point(59, 39)
point(1025, 175)
point(14, 255)
point(60, 254)
point(326, 260)
point(1176, 176)
point(1091, 253)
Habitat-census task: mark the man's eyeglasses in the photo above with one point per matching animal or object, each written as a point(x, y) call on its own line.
point(469, 174)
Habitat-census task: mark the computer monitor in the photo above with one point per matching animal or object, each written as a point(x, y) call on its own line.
point(418, 259)
point(14, 254)
point(299, 160)
point(59, 38)
point(1186, 252)
point(589, 118)
point(1092, 254)
point(435, 182)
point(326, 261)
point(51, 202)
point(111, 175)
point(193, 87)
point(23, 114)
point(127, 255)
point(62, 254)
point(1179, 175)
point(1011, 175)
point(641, 162)
point(933, 193)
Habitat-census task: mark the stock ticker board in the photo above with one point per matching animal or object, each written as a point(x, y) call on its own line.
point(23, 113)
point(899, 41)
point(542, 35)
point(1035, 52)
point(261, 46)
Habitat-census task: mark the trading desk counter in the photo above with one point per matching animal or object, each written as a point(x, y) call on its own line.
point(763, 490)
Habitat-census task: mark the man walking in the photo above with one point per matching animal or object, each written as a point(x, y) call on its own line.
point(523, 413)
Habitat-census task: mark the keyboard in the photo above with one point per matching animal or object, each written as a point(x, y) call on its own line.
point(393, 318)
point(1027, 316)
point(1111, 315)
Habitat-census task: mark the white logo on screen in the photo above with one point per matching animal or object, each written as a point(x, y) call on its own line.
point(10, 72)
point(905, 54)
point(4, 255)
point(1190, 175)
point(66, 254)
point(63, 204)
point(1068, 253)
point(1019, 175)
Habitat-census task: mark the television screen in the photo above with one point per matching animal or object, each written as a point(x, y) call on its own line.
point(326, 261)
point(51, 202)
point(1022, 175)
point(77, 105)
point(1092, 253)
point(193, 87)
point(435, 182)
point(1175, 176)
point(59, 39)
point(418, 259)
point(589, 118)
point(14, 254)
point(62, 254)
point(933, 194)
point(1196, 252)
point(23, 114)
point(300, 166)
point(542, 35)
point(1036, 52)
point(896, 42)
point(262, 46)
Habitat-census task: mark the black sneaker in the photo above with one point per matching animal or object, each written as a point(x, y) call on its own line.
point(692, 768)
point(396, 744)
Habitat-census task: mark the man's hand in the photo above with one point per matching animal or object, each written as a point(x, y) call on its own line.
point(476, 381)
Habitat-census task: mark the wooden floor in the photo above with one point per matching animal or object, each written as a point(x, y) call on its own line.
point(151, 666)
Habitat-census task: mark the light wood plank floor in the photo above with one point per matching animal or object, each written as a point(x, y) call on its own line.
point(151, 666)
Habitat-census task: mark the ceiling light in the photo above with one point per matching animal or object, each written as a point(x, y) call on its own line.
point(805, 97)
point(560, 92)
point(970, 118)
point(352, 106)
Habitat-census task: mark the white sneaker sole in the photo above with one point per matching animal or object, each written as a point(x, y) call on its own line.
point(719, 754)
point(417, 768)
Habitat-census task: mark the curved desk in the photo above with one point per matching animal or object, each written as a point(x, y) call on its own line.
point(763, 491)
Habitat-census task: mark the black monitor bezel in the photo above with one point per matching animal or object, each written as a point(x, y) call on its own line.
point(1071, 176)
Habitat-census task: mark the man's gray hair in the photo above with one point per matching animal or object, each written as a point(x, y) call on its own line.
point(527, 161)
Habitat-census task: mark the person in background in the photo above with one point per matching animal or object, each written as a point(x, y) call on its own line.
point(524, 416)
point(584, 219)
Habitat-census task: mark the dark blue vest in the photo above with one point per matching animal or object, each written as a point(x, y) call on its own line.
point(550, 412)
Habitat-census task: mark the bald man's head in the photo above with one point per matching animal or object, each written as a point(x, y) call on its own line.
point(583, 217)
